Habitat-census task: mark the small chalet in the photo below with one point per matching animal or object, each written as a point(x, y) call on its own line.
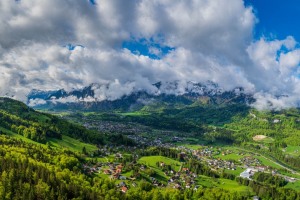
point(124, 189)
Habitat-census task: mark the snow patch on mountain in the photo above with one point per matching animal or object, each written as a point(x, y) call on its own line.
point(108, 92)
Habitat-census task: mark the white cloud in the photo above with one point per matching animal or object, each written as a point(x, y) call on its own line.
point(210, 40)
point(266, 101)
point(289, 61)
point(35, 102)
point(274, 66)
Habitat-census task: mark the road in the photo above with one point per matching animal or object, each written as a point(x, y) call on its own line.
point(280, 165)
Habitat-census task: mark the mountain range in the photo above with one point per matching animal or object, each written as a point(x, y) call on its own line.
point(86, 99)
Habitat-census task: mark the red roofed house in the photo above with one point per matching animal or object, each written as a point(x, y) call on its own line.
point(124, 189)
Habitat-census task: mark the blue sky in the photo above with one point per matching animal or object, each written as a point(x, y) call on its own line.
point(277, 18)
point(147, 47)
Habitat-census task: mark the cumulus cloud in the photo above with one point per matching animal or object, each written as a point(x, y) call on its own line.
point(270, 102)
point(275, 72)
point(208, 40)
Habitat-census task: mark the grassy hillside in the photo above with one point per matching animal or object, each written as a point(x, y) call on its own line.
point(64, 143)
point(18, 118)
point(72, 144)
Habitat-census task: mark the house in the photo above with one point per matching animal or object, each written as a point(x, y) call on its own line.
point(262, 168)
point(249, 172)
point(185, 169)
point(118, 155)
point(122, 184)
point(115, 176)
point(182, 155)
point(119, 167)
point(152, 179)
point(124, 189)
point(177, 186)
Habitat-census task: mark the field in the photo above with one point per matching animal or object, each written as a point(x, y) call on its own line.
point(263, 139)
point(71, 144)
point(236, 172)
point(232, 156)
point(191, 146)
point(295, 185)
point(267, 162)
point(66, 142)
point(264, 161)
point(232, 185)
point(152, 160)
point(293, 150)
point(222, 183)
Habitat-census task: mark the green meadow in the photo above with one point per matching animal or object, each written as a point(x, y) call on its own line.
point(65, 142)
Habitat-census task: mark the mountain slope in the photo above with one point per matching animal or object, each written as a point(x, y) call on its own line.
point(21, 119)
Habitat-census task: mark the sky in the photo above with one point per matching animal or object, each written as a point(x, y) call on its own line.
point(277, 19)
point(127, 46)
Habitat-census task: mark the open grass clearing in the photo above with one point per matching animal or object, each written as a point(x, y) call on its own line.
point(292, 150)
point(72, 144)
point(206, 181)
point(17, 136)
point(232, 156)
point(263, 138)
point(284, 172)
point(191, 146)
point(66, 142)
point(295, 185)
point(232, 185)
point(221, 183)
point(267, 162)
point(152, 160)
point(236, 172)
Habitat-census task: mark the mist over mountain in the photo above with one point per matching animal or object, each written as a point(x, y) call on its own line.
point(170, 94)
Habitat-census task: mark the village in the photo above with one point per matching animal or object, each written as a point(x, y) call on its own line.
point(129, 174)
point(115, 171)
point(142, 135)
